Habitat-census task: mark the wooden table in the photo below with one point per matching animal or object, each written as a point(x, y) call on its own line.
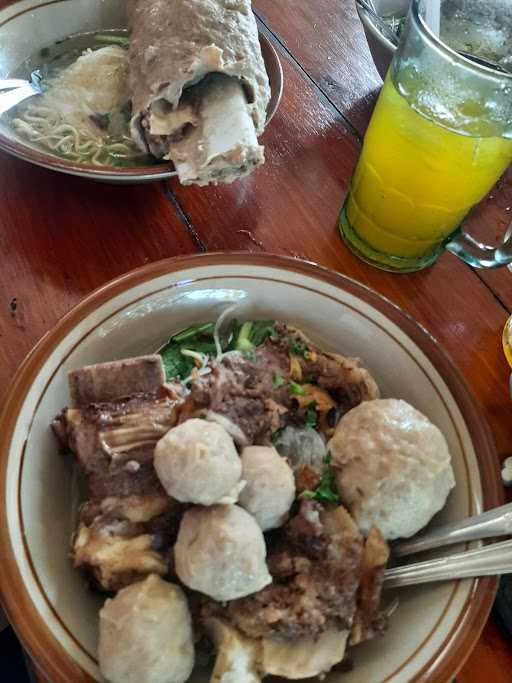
point(61, 237)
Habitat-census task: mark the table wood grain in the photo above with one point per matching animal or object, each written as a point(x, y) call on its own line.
point(62, 237)
point(327, 40)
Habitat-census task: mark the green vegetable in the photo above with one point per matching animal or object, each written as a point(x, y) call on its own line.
point(123, 41)
point(254, 333)
point(244, 343)
point(261, 331)
point(278, 381)
point(199, 339)
point(176, 365)
point(296, 390)
point(326, 489)
point(310, 416)
point(297, 347)
point(194, 331)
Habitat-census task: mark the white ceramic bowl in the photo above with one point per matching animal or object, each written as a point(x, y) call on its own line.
point(48, 602)
point(27, 26)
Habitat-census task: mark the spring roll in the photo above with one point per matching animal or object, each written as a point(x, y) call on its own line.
point(199, 86)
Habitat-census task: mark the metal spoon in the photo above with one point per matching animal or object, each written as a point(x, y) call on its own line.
point(19, 90)
point(492, 560)
point(9, 83)
point(491, 524)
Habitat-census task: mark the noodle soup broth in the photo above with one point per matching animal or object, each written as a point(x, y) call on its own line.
point(84, 113)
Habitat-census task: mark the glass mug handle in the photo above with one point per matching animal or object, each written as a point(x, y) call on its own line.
point(481, 255)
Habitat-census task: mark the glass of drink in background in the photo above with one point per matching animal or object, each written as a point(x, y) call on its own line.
point(439, 139)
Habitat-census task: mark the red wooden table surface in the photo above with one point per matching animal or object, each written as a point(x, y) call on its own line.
point(61, 237)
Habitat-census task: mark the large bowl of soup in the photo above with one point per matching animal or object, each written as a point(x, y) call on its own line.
point(46, 38)
point(49, 602)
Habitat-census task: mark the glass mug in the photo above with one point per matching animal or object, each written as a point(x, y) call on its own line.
point(439, 139)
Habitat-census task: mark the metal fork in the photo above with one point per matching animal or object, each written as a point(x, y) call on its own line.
point(492, 560)
point(490, 524)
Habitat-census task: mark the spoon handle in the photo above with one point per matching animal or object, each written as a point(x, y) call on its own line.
point(490, 524)
point(492, 560)
point(10, 99)
point(9, 83)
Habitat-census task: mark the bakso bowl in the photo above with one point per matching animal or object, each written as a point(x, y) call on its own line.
point(28, 27)
point(52, 609)
point(382, 49)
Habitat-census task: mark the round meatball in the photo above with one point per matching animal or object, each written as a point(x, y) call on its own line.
point(197, 462)
point(392, 467)
point(270, 486)
point(146, 634)
point(220, 551)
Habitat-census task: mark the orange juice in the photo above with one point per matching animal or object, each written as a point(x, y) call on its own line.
point(416, 180)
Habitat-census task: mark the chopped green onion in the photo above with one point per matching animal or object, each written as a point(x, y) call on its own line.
point(194, 331)
point(296, 390)
point(278, 381)
point(124, 41)
point(261, 331)
point(297, 347)
point(244, 343)
point(310, 416)
point(326, 490)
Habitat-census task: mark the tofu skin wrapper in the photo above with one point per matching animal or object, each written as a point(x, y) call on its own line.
point(193, 65)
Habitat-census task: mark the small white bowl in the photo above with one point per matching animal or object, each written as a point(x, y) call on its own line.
point(27, 26)
point(56, 615)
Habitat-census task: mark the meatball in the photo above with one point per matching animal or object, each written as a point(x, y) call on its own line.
point(270, 486)
point(146, 634)
point(392, 466)
point(197, 462)
point(305, 657)
point(220, 551)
